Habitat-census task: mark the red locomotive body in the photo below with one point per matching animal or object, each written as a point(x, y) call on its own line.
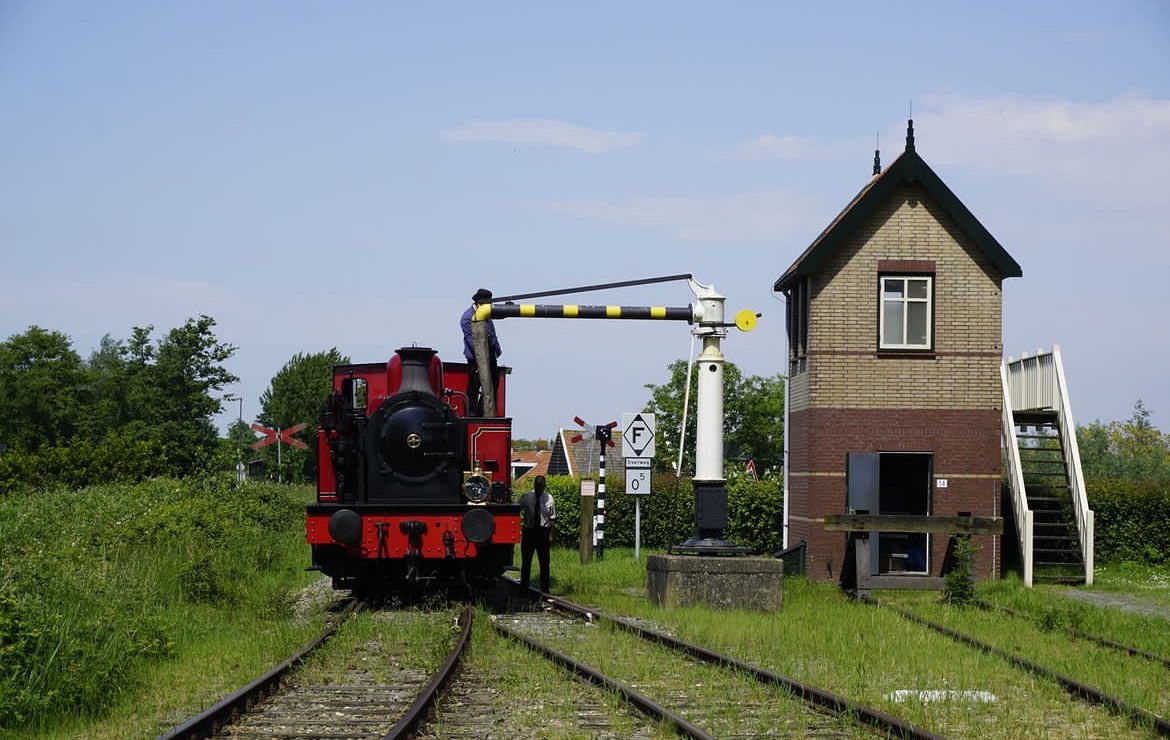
point(410, 489)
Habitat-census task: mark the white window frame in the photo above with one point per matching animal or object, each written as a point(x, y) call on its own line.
point(906, 300)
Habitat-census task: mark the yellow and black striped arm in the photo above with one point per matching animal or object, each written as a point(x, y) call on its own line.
point(531, 310)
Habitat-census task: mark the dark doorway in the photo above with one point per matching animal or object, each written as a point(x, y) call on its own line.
point(904, 488)
point(892, 483)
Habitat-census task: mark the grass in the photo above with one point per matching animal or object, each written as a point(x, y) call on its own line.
point(1136, 681)
point(1150, 582)
point(855, 650)
point(1052, 610)
point(125, 605)
point(125, 608)
point(542, 700)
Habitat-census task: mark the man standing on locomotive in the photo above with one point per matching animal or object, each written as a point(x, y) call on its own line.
point(475, 405)
point(540, 514)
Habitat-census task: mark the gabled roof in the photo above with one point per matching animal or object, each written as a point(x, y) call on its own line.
point(908, 168)
point(537, 459)
point(581, 457)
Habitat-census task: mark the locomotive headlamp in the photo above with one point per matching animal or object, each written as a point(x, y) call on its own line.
point(476, 488)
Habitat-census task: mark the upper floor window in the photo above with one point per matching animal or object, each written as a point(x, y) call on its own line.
point(906, 311)
point(797, 318)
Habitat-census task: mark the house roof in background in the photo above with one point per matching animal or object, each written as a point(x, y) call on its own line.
point(582, 457)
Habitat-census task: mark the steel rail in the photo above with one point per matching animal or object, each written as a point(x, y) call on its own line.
point(810, 695)
point(222, 713)
point(1091, 694)
point(644, 703)
point(1080, 634)
point(429, 695)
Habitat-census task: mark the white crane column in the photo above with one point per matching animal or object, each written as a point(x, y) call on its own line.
point(710, 485)
point(709, 434)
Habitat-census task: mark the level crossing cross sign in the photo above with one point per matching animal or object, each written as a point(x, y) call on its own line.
point(283, 435)
point(638, 435)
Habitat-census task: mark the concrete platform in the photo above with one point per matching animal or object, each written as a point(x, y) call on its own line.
point(721, 583)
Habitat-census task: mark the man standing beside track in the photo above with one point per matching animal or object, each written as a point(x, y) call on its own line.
point(475, 404)
point(540, 513)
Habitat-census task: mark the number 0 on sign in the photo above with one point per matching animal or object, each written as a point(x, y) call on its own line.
point(638, 481)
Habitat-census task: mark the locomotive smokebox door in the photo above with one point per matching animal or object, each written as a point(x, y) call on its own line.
point(414, 438)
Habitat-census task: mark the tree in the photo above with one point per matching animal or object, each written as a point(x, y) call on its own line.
point(41, 381)
point(294, 396)
point(105, 390)
point(529, 445)
point(1130, 449)
point(172, 390)
point(753, 417)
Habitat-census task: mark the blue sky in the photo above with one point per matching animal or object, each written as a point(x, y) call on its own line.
point(346, 174)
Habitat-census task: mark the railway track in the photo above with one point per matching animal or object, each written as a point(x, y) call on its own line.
point(701, 693)
point(1082, 635)
point(381, 703)
point(1136, 715)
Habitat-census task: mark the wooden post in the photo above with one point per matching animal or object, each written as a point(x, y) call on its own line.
point(484, 365)
point(861, 551)
point(587, 505)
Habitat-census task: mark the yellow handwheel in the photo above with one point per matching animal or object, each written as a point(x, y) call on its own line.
point(746, 319)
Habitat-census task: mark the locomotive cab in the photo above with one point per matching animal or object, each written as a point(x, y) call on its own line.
point(410, 489)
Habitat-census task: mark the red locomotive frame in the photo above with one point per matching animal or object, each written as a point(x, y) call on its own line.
point(410, 489)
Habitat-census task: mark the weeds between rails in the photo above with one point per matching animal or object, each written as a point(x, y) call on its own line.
point(234, 708)
point(1137, 716)
point(814, 697)
point(224, 712)
point(1081, 634)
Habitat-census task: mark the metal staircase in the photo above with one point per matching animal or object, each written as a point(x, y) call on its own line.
point(1053, 521)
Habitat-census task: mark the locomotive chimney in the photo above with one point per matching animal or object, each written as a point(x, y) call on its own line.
point(416, 367)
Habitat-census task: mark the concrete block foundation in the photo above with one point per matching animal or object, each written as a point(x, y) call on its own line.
point(721, 583)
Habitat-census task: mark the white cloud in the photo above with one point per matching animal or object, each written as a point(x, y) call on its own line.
point(761, 215)
point(544, 133)
point(1120, 147)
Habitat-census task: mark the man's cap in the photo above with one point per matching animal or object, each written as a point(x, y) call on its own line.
point(483, 294)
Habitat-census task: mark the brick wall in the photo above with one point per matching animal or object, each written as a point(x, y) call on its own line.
point(844, 365)
point(965, 449)
point(853, 398)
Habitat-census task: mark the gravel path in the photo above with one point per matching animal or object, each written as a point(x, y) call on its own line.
point(1122, 602)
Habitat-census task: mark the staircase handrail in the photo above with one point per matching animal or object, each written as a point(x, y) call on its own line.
point(1072, 460)
point(1016, 479)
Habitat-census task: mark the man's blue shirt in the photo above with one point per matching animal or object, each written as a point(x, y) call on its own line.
point(468, 345)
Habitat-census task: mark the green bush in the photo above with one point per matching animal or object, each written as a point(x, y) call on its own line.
point(755, 512)
point(959, 582)
point(1131, 519)
point(97, 582)
point(119, 457)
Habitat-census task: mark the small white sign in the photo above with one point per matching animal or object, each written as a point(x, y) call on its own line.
point(941, 482)
point(638, 481)
point(638, 462)
point(638, 435)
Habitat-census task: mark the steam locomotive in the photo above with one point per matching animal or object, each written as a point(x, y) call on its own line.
point(411, 489)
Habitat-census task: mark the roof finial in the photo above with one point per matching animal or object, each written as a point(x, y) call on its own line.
point(877, 157)
point(910, 135)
